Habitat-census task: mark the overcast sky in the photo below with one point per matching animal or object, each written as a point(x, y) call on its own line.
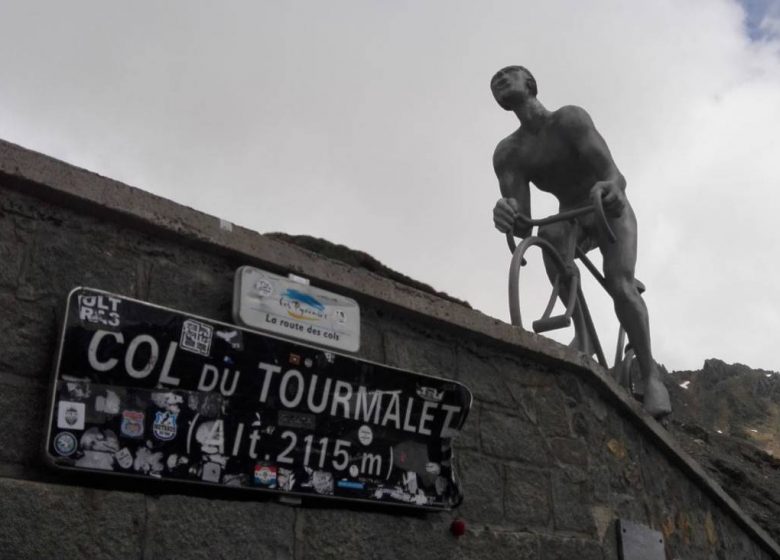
point(371, 123)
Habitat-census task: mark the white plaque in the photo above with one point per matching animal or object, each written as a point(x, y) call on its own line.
point(275, 304)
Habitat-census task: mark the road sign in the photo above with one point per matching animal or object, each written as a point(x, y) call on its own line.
point(145, 391)
point(279, 305)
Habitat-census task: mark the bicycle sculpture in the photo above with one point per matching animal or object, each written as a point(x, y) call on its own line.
point(574, 295)
point(562, 153)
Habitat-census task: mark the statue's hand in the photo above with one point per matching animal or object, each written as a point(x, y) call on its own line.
point(612, 197)
point(506, 215)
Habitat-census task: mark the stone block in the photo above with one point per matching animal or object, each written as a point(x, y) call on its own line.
point(62, 258)
point(482, 481)
point(371, 341)
point(597, 407)
point(569, 451)
point(497, 546)
point(30, 336)
point(199, 528)
point(22, 416)
point(572, 501)
point(629, 506)
point(658, 478)
point(192, 282)
point(570, 386)
point(341, 534)
point(521, 372)
point(469, 436)
point(741, 546)
point(557, 548)
point(599, 477)
point(512, 437)
point(420, 354)
point(31, 209)
point(580, 425)
point(12, 247)
point(527, 497)
point(526, 402)
point(66, 522)
point(486, 381)
point(633, 440)
point(552, 412)
point(605, 520)
point(613, 457)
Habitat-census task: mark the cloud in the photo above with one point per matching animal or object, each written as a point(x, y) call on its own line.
point(371, 124)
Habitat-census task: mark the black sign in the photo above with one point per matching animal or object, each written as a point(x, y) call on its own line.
point(142, 390)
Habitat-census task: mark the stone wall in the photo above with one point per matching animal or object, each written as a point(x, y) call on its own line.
point(552, 454)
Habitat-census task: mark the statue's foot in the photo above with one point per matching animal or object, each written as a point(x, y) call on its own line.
point(656, 398)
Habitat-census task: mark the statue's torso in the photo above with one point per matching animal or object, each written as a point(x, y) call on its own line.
point(550, 160)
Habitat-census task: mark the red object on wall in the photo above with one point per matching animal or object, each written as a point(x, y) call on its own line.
point(458, 527)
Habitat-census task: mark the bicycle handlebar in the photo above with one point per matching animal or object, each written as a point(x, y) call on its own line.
point(595, 206)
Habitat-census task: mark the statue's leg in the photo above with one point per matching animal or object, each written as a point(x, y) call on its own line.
point(560, 235)
point(619, 263)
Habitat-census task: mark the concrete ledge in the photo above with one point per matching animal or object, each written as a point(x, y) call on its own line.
point(51, 180)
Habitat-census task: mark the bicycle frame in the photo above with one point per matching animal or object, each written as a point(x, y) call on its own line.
point(575, 295)
point(595, 205)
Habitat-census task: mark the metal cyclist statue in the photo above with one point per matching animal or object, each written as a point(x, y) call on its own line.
point(562, 153)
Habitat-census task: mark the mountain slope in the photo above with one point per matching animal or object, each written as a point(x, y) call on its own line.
point(727, 416)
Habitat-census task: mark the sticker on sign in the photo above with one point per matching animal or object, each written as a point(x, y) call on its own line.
point(286, 307)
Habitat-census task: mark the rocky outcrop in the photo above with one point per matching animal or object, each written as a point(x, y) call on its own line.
point(727, 416)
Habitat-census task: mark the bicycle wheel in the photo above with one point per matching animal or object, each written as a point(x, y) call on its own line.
point(574, 299)
point(547, 322)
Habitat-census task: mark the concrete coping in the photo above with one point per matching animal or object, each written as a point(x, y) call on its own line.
point(52, 180)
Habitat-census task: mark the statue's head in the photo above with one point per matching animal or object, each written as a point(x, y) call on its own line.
point(512, 85)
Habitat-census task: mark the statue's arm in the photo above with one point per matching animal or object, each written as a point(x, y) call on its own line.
point(591, 145)
point(515, 194)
